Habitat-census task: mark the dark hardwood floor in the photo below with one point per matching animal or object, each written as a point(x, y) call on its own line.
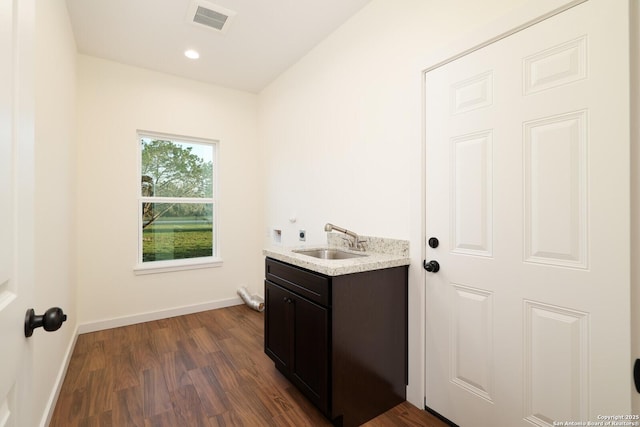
point(203, 369)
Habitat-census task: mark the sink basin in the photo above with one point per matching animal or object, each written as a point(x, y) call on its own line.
point(328, 253)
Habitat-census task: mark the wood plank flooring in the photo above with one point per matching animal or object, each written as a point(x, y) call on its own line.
point(205, 369)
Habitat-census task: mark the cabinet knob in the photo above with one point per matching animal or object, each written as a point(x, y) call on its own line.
point(287, 300)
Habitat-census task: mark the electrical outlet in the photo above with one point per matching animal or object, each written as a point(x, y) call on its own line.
point(302, 235)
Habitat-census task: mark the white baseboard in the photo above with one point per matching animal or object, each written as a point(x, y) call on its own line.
point(53, 398)
point(155, 315)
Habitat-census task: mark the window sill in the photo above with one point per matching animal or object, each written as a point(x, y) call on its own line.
point(179, 265)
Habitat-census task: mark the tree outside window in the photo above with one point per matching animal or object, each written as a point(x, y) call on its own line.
point(177, 206)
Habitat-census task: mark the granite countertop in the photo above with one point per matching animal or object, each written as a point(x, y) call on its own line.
point(381, 253)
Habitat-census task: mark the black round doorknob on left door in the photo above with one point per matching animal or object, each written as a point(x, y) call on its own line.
point(432, 266)
point(51, 320)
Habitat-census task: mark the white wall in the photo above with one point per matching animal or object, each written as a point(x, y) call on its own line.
point(114, 101)
point(55, 279)
point(341, 133)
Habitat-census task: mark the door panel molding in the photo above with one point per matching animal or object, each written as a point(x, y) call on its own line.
point(566, 354)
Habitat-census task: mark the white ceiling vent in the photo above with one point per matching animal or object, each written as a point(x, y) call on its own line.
point(203, 13)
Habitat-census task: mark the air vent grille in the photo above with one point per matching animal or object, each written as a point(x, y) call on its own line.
point(210, 15)
point(210, 18)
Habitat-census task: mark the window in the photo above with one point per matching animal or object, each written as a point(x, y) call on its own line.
point(177, 203)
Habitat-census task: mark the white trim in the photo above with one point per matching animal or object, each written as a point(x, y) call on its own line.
point(517, 20)
point(62, 373)
point(634, 27)
point(156, 315)
point(179, 199)
point(180, 138)
point(176, 265)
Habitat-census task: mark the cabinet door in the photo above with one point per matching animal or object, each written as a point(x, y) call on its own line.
point(277, 334)
point(310, 359)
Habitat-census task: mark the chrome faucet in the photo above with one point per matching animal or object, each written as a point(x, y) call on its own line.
point(357, 241)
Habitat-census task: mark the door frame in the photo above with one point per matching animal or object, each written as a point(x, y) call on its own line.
point(634, 107)
point(521, 17)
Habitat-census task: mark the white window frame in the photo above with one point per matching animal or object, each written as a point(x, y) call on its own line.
point(186, 263)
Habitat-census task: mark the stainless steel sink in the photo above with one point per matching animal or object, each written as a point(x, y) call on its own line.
point(328, 253)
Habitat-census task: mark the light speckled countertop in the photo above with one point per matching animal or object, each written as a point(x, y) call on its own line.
point(381, 253)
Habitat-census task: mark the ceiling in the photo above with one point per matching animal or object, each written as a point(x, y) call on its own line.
point(262, 40)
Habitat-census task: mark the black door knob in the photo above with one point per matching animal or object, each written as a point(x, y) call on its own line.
point(51, 320)
point(431, 266)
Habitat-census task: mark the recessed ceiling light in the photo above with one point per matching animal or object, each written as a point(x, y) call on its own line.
point(191, 54)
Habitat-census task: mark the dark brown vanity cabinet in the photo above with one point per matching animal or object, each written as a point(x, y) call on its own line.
point(296, 338)
point(342, 340)
point(296, 332)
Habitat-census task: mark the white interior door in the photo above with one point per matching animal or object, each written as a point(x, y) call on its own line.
point(16, 207)
point(527, 190)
